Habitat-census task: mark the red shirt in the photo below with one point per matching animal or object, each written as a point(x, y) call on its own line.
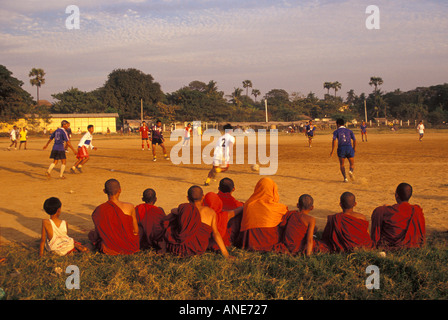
point(144, 130)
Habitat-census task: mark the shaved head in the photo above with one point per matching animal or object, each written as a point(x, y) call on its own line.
point(112, 187)
point(195, 193)
point(149, 196)
point(403, 191)
point(347, 200)
point(306, 202)
point(226, 185)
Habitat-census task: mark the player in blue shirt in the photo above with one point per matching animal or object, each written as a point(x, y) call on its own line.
point(345, 148)
point(61, 138)
point(363, 130)
point(309, 132)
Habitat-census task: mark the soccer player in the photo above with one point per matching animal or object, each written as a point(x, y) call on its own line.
point(60, 137)
point(421, 130)
point(222, 154)
point(309, 132)
point(13, 136)
point(345, 147)
point(187, 134)
point(144, 133)
point(23, 136)
point(83, 154)
point(363, 130)
point(157, 138)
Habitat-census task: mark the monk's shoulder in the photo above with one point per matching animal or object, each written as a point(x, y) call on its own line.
point(359, 216)
point(127, 207)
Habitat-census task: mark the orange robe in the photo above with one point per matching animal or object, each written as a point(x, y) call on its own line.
point(151, 229)
point(213, 201)
point(113, 232)
point(261, 228)
point(187, 235)
point(398, 226)
point(294, 236)
point(234, 224)
point(345, 233)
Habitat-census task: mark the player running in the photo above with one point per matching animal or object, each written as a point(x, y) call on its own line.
point(421, 130)
point(157, 138)
point(60, 137)
point(345, 148)
point(222, 154)
point(309, 132)
point(83, 154)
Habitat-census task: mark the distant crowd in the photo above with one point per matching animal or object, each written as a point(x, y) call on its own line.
point(215, 221)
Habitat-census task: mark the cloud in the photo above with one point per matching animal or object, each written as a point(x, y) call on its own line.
point(293, 45)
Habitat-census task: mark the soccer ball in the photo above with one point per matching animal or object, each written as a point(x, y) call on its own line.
point(255, 167)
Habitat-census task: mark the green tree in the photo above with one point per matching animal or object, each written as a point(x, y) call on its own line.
point(375, 81)
point(76, 101)
point(38, 79)
point(328, 86)
point(124, 90)
point(246, 85)
point(236, 97)
point(336, 86)
point(256, 93)
point(15, 102)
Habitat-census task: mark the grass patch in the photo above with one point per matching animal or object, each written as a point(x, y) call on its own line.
point(408, 274)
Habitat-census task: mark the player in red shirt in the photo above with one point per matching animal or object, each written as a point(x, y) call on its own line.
point(144, 133)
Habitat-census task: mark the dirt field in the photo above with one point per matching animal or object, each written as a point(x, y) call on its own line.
point(382, 163)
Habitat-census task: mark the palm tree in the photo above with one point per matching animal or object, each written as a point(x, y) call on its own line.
point(38, 79)
point(376, 81)
point(247, 84)
point(336, 86)
point(236, 96)
point(328, 86)
point(256, 93)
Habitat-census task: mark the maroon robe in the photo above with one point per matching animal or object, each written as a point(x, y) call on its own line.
point(151, 230)
point(234, 224)
point(344, 232)
point(398, 226)
point(186, 235)
point(114, 233)
point(295, 235)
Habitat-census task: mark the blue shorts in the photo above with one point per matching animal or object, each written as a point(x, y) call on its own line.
point(346, 152)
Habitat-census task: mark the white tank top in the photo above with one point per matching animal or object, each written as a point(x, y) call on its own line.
point(61, 243)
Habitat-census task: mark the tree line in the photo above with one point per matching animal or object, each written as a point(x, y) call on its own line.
point(126, 90)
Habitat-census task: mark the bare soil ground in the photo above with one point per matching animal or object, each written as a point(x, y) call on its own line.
point(381, 164)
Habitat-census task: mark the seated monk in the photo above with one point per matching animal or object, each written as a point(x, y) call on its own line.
point(213, 201)
point(116, 228)
point(150, 221)
point(191, 225)
point(401, 225)
point(299, 232)
point(225, 190)
point(262, 216)
point(346, 230)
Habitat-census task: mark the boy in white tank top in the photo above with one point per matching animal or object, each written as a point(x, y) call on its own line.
point(54, 231)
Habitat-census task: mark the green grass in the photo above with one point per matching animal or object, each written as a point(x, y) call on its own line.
point(420, 274)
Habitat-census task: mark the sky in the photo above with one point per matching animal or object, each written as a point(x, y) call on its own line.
point(290, 45)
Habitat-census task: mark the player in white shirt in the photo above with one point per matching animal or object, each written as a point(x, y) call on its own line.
point(222, 154)
point(83, 155)
point(421, 130)
point(13, 136)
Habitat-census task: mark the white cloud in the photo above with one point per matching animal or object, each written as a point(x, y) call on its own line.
point(291, 46)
